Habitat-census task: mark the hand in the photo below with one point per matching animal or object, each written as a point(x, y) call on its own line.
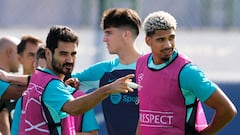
point(133, 85)
point(4, 75)
point(74, 82)
point(121, 85)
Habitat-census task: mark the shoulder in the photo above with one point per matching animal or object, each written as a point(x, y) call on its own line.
point(193, 79)
point(192, 70)
point(3, 83)
point(3, 86)
point(191, 73)
point(143, 58)
point(56, 87)
point(55, 83)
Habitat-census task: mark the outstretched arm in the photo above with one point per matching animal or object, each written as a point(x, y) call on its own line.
point(86, 102)
point(224, 112)
point(14, 78)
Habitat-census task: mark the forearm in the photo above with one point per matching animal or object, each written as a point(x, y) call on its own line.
point(224, 112)
point(84, 103)
point(218, 122)
point(18, 79)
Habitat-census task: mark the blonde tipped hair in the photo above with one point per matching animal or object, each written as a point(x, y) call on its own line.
point(159, 21)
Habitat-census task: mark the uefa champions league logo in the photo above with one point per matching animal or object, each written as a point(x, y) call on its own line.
point(139, 79)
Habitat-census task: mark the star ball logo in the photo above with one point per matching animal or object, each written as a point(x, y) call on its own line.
point(140, 78)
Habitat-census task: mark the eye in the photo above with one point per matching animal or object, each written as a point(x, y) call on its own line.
point(63, 53)
point(74, 54)
point(172, 37)
point(160, 39)
point(107, 33)
point(31, 54)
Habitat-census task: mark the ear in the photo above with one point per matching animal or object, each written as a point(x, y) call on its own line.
point(148, 40)
point(48, 53)
point(9, 52)
point(19, 58)
point(126, 34)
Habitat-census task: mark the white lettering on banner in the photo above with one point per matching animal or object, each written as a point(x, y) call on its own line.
point(156, 118)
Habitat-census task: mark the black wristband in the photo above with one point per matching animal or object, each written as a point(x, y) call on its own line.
point(28, 79)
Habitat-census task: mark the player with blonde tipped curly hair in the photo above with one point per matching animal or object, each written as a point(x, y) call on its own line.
point(172, 86)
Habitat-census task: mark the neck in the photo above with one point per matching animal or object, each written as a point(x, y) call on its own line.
point(61, 76)
point(129, 57)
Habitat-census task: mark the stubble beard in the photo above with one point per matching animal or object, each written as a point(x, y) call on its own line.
point(59, 68)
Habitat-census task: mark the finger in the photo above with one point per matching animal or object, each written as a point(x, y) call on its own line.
point(133, 85)
point(130, 89)
point(128, 80)
point(76, 79)
point(129, 76)
point(125, 91)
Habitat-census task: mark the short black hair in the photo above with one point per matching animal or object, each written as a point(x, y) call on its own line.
point(41, 53)
point(60, 33)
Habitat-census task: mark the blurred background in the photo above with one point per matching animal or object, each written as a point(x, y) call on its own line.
point(208, 32)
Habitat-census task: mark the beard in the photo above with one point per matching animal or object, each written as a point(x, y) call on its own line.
point(60, 68)
point(168, 54)
point(165, 59)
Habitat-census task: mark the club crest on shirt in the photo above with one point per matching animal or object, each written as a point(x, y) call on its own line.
point(116, 98)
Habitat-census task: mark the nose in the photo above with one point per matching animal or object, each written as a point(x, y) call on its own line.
point(104, 38)
point(168, 47)
point(168, 44)
point(70, 59)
